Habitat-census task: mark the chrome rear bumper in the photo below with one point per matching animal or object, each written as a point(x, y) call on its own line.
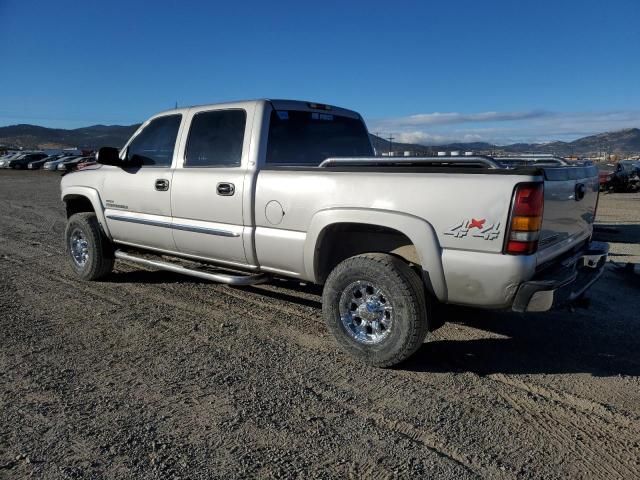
point(562, 285)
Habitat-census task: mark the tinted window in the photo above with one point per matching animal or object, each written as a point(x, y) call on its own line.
point(154, 145)
point(627, 166)
point(215, 139)
point(307, 138)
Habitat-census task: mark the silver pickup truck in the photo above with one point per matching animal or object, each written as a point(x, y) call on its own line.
point(242, 192)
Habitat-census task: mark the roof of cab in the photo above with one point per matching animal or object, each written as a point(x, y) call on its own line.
point(278, 104)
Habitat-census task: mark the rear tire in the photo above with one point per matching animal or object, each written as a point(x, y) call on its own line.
point(375, 306)
point(89, 250)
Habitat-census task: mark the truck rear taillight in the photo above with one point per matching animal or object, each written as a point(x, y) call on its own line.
point(526, 219)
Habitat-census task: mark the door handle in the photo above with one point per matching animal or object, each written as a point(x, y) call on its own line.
point(226, 189)
point(162, 184)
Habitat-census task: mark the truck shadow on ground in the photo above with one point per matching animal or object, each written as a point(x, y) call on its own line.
point(152, 277)
point(284, 290)
point(591, 341)
point(553, 343)
point(618, 233)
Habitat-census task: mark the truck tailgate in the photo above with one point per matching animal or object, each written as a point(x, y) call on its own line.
point(570, 200)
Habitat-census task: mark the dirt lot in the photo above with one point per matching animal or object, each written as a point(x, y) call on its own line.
point(155, 375)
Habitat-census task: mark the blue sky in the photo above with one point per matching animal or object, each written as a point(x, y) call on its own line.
point(498, 71)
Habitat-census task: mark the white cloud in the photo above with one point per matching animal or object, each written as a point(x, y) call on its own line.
point(503, 127)
point(438, 118)
point(425, 138)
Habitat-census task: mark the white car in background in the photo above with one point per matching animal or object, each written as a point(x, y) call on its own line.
point(53, 164)
point(5, 159)
point(69, 165)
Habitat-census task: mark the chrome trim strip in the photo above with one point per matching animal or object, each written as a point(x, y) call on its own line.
point(175, 226)
point(143, 221)
point(208, 231)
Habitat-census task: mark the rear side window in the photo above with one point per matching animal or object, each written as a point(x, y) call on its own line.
point(307, 138)
point(215, 139)
point(154, 145)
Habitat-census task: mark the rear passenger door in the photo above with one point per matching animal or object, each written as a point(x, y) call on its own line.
point(208, 185)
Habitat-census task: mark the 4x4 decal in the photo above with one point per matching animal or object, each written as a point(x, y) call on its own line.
point(465, 227)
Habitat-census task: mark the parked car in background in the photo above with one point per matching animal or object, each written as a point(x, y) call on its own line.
point(53, 164)
point(513, 161)
point(37, 164)
point(605, 174)
point(89, 161)
point(626, 177)
point(72, 164)
point(4, 160)
point(22, 161)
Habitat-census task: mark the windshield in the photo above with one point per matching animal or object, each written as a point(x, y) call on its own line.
point(299, 137)
point(606, 167)
point(628, 166)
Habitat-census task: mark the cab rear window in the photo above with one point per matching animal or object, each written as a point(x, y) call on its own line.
point(299, 137)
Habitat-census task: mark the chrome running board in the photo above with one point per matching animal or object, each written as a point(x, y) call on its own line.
point(250, 279)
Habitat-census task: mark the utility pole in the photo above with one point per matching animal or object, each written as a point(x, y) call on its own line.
point(377, 151)
point(176, 104)
point(390, 137)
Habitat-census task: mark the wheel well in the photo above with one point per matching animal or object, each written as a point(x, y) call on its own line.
point(340, 241)
point(77, 204)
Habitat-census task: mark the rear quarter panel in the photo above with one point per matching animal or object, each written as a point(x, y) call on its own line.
point(467, 212)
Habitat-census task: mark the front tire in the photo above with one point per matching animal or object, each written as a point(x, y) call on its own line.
point(89, 250)
point(375, 306)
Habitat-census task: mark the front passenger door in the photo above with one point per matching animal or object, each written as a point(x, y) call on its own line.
point(137, 197)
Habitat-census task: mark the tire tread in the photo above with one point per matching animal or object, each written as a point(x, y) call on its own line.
point(406, 283)
point(102, 257)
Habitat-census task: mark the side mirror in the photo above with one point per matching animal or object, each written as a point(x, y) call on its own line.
point(109, 156)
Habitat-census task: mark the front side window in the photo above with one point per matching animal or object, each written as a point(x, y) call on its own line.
point(154, 145)
point(215, 139)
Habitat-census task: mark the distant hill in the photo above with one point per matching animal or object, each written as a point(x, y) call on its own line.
point(32, 136)
point(382, 146)
point(621, 141)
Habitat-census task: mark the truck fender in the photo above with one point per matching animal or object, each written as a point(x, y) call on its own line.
point(94, 197)
point(419, 231)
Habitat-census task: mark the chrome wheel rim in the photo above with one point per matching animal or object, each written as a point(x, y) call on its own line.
point(366, 312)
point(79, 247)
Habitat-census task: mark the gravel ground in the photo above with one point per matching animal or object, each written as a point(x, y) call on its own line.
point(619, 224)
point(155, 375)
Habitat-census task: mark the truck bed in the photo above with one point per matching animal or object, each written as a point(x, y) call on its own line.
point(464, 204)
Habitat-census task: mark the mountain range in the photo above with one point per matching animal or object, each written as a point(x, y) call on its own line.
point(32, 136)
point(626, 141)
